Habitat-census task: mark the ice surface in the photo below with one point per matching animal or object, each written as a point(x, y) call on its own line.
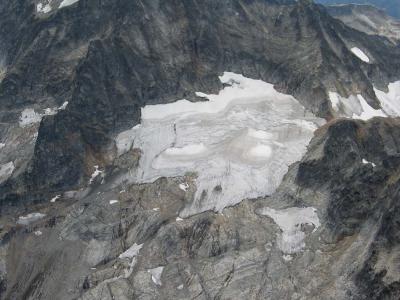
point(156, 275)
point(6, 170)
point(29, 218)
point(360, 54)
point(65, 3)
point(290, 221)
point(241, 140)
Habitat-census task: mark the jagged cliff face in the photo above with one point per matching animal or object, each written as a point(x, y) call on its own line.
point(111, 188)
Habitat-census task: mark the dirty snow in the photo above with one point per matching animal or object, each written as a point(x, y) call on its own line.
point(242, 139)
point(156, 275)
point(289, 220)
point(360, 54)
point(65, 3)
point(30, 218)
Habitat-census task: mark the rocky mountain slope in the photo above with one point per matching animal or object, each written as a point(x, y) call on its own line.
point(391, 7)
point(367, 19)
point(188, 149)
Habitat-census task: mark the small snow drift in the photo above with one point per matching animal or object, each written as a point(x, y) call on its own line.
point(291, 221)
point(156, 275)
point(30, 218)
point(66, 3)
point(242, 139)
point(360, 54)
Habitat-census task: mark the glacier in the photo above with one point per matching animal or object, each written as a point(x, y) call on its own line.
point(239, 143)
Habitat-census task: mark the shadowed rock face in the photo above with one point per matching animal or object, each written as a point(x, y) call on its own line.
point(108, 60)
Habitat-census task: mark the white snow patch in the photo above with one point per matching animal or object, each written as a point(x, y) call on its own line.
point(178, 219)
point(63, 106)
point(29, 116)
point(67, 3)
point(335, 100)
point(132, 251)
point(131, 254)
point(390, 101)
point(180, 287)
point(242, 139)
point(29, 218)
point(156, 275)
point(54, 199)
point(43, 8)
point(360, 54)
point(38, 233)
point(113, 202)
point(368, 112)
point(184, 186)
point(287, 257)
point(290, 220)
point(355, 106)
point(96, 173)
point(156, 209)
point(2, 145)
point(366, 162)
point(6, 170)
